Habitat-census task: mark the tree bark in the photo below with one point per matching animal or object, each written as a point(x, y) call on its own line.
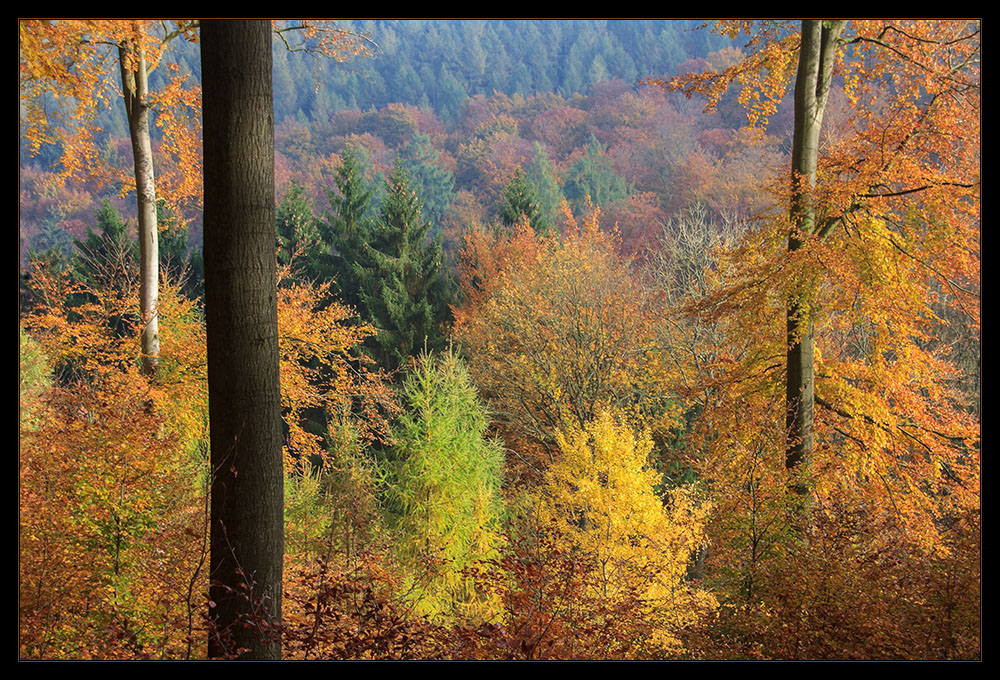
point(135, 91)
point(247, 532)
point(812, 86)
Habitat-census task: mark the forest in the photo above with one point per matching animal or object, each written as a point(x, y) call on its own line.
point(536, 339)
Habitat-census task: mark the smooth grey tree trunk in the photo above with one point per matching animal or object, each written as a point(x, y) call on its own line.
point(135, 91)
point(247, 533)
point(812, 87)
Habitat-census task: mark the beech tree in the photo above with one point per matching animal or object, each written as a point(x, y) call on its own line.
point(69, 61)
point(881, 233)
point(247, 523)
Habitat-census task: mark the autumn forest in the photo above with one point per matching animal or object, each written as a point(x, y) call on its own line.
point(496, 340)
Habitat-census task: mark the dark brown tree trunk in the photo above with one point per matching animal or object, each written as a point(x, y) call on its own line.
point(247, 533)
point(812, 86)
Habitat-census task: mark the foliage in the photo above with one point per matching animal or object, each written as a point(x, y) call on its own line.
point(699, 545)
point(600, 495)
point(405, 289)
point(67, 77)
point(299, 245)
point(897, 453)
point(319, 371)
point(519, 203)
point(592, 178)
point(556, 328)
point(443, 495)
point(111, 509)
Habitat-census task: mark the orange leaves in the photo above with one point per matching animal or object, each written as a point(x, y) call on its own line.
point(322, 38)
point(558, 330)
point(108, 492)
point(886, 273)
point(69, 72)
point(315, 341)
point(763, 75)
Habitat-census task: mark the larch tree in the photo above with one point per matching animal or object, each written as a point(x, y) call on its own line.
point(247, 524)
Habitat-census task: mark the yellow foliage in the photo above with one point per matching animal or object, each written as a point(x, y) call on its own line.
point(601, 495)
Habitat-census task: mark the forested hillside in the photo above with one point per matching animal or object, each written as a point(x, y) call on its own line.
point(595, 340)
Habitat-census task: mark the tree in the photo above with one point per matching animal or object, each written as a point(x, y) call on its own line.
point(297, 230)
point(67, 59)
point(592, 176)
point(444, 479)
point(347, 226)
point(556, 328)
point(405, 290)
point(520, 203)
point(881, 233)
point(600, 495)
point(435, 185)
point(241, 314)
point(542, 176)
point(110, 513)
point(817, 53)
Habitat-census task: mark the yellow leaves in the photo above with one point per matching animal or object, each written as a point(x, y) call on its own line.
point(600, 494)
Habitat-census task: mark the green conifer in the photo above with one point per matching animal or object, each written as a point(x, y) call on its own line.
point(404, 289)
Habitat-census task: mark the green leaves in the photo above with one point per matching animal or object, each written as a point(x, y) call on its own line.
point(444, 487)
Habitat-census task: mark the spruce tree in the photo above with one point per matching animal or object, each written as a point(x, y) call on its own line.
point(541, 174)
point(297, 232)
point(593, 176)
point(346, 228)
point(520, 202)
point(434, 184)
point(404, 289)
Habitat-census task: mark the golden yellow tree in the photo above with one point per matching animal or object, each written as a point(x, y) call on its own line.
point(601, 495)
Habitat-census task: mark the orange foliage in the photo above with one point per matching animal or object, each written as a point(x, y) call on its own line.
point(112, 514)
point(894, 261)
point(556, 328)
point(68, 72)
point(319, 372)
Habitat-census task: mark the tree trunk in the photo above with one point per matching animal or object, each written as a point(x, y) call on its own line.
point(247, 532)
point(812, 86)
point(135, 91)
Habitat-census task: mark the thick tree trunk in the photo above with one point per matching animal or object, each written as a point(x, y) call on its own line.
point(240, 302)
point(135, 90)
point(812, 86)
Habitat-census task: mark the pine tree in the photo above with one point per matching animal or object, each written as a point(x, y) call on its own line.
point(405, 290)
point(110, 247)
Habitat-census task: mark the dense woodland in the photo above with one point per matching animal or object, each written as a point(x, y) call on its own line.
point(595, 340)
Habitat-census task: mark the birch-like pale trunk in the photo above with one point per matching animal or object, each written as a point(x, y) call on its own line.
point(135, 91)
